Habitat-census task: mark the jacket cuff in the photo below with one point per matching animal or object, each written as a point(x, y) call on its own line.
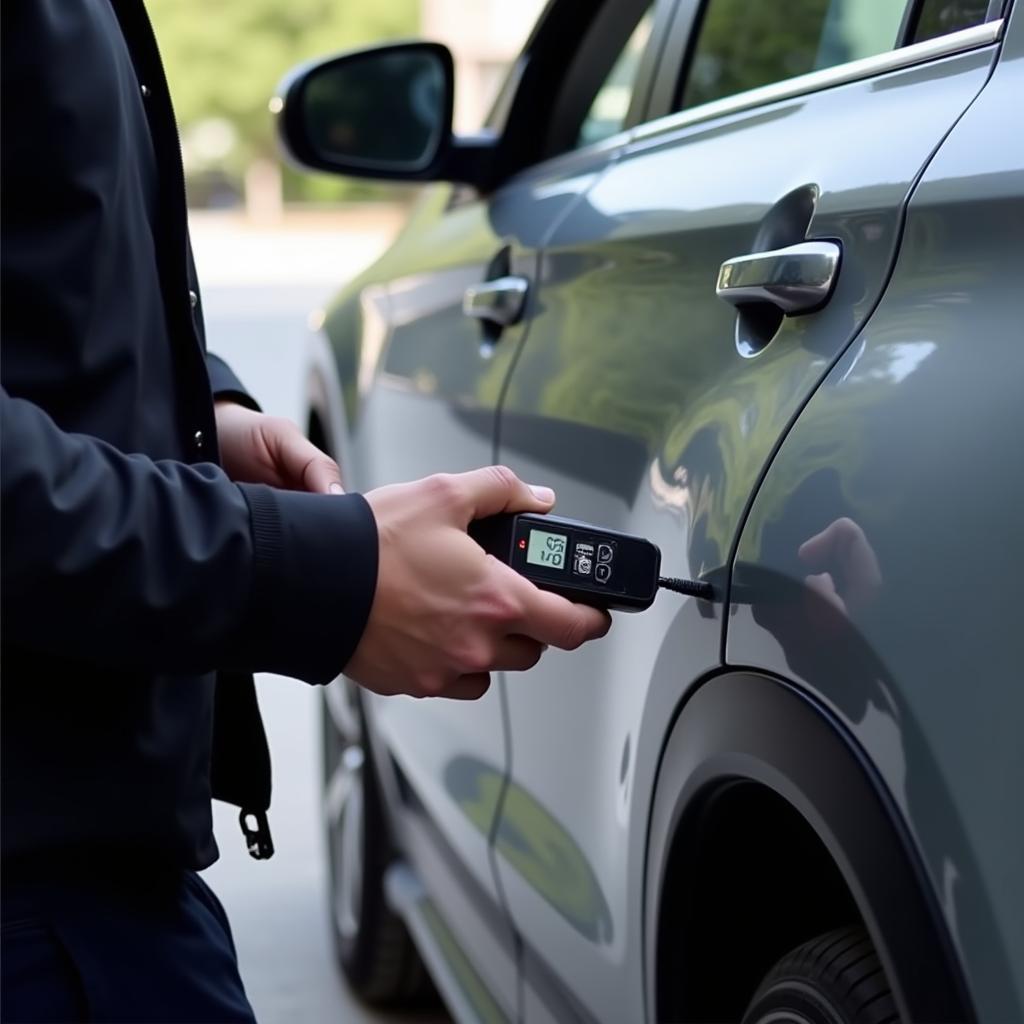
point(225, 385)
point(315, 577)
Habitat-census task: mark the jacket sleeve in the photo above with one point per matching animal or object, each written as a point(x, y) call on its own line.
point(224, 383)
point(124, 561)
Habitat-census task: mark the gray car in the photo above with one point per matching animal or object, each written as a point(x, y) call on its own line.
point(744, 279)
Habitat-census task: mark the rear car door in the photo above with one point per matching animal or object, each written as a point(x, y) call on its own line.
point(905, 474)
point(653, 406)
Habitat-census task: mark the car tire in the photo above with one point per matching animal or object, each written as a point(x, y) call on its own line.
point(373, 946)
point(836, 978)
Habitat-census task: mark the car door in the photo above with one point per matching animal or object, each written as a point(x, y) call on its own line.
point(653, 406)
point(905, 473)
point(435, 352)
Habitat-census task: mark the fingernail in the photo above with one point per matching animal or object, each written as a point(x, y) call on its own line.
point(336, 488)
point(542, 493)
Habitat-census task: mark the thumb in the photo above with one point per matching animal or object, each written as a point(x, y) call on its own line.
point(322, 476)
point(298, 463)
point(306, 466)
point(495, 489)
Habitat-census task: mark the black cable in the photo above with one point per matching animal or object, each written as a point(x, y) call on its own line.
point(691, 588)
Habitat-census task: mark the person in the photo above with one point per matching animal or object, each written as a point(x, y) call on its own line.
point(162, 539)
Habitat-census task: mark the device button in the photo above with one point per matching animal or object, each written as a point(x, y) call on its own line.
point(583, 559)
point(603, 572)
point(604, 552)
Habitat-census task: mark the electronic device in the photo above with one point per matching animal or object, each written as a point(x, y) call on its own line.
point(580, 561)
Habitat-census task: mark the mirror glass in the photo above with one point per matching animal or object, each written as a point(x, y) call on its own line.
point(383, 111)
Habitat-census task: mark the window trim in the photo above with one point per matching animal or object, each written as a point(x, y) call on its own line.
point(967, 39)
point(574, 96)
point(912, 17)
point(523, 146)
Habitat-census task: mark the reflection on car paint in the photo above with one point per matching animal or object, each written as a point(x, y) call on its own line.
point(534, 843)
point(486, 1009)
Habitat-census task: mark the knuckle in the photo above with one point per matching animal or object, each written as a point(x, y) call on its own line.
point(474, 657)
point(573, 634)
point(434, 484)
point(503, 475)
point(443, 487)
point(498, 606)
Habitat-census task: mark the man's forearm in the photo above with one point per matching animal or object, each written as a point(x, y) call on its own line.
point(107, 554)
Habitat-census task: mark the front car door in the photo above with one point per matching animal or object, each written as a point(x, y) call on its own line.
point(653, 407)
point(422, 383)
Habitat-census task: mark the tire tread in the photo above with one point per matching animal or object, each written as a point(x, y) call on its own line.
point(833, 966)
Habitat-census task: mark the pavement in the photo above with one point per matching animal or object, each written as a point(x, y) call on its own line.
point(259, 287)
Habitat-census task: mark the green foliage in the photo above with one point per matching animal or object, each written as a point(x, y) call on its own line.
point(224, 58)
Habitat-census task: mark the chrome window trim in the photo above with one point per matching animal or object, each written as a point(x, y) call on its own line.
point(853, 71)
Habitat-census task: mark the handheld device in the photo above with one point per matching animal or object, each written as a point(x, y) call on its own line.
point(580, 561)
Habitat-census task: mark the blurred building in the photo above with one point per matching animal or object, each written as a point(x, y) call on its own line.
point(484, 37)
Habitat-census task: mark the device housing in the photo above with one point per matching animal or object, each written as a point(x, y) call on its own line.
point(579, 561)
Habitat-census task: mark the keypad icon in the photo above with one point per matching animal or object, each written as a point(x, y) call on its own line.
point(583, 559)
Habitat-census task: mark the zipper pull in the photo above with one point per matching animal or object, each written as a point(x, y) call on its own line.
point(257, 834)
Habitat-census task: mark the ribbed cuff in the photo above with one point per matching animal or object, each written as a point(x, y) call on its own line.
point(315, 576)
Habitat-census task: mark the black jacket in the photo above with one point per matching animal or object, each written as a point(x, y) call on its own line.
point(133, 569)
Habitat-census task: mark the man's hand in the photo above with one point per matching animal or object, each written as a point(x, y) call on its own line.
point(259, 449)
point(445, 613)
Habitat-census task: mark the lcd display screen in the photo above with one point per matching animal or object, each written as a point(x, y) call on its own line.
point(547, 549)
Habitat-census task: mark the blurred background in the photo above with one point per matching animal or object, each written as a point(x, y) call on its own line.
point(224, 59)
point(272, 245)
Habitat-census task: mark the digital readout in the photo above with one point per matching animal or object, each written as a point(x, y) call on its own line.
point(547, 549)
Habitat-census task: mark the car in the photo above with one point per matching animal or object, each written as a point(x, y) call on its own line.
point(743, 280)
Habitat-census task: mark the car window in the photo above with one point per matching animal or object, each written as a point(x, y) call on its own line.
point(940, 17)
point(742, 45)
point(607, 113)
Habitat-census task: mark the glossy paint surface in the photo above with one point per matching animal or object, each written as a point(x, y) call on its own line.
point(886, 543)
point(421, 384)
point(652, 407)
point(411, 364)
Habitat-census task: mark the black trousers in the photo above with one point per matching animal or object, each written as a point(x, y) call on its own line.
point(119, 947)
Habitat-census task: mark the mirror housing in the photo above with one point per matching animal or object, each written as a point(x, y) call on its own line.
point(383, 112)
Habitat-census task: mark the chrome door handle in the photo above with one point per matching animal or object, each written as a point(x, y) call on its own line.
point(797, 279)
point(500, 301)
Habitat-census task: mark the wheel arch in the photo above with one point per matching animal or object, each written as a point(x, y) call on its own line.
point(747, 753)
point(323, 403)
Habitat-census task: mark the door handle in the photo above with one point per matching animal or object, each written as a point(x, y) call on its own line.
point(797, 279)
point(500, 301)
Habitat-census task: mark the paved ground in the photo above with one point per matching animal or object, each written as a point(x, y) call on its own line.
point(258, 290)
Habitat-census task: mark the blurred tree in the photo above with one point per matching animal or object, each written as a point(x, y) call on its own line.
point(224, 58)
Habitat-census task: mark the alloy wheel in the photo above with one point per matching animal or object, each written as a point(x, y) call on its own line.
point(343, 803)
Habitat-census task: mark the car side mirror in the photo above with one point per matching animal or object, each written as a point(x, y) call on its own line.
point(385, 112)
